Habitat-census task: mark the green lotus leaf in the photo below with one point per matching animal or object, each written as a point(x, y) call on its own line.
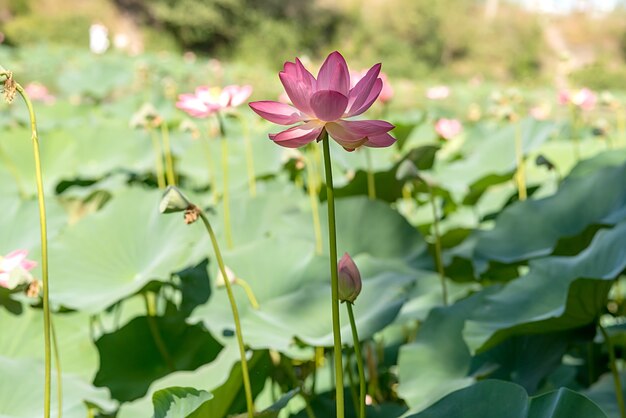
point(557, 293)
point(113, 253)
point(497, 399)
point(178, 402)
point(26, 398)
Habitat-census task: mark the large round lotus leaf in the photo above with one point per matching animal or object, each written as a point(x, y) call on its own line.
point(21, 391)
point(22, 338)
point(537, 225)
point(146, 349)
point(107, 145)
point(293, 289)
point(96, 76)
point(113, 253)
point(58, 158)
point(494, 156)
point(557, 293)
point(497, 399)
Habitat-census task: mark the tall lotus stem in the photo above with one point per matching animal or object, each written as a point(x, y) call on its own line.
point(233, 305)
point(575, 132)
point(9, 83)
point(225, 194)
point(520, 175)
point(332, 236)
point(169, 160)
point(438, 252)
point(359, 360)
point(616, 377)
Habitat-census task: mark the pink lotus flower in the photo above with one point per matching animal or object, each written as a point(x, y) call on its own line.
point(325, 103)
point(584, 98)
point(14, 269)
point(349, 279)
point(448, 128)
point(207, 101)
point(39, 93)
point(386, 93)
point(438, 93)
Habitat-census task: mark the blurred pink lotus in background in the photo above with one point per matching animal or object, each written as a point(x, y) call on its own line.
point(438, 92)
point(448, 128)
point(14, 269)
point(206, 101)
point(541, 111)
point(584, 98)
point(325, 103)
point(386, 93)
point(39, 93)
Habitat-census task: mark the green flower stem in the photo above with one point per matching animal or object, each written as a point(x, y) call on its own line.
point(57, 364)
point(313, 189)
point(359, 361)
point(371, 183)
point(44, 249)
point(150, 303)
point(169, 160)
point(233, 305)
point(520, 175)
point(225, 195)
point(332, 235)
point(246, 287)
point(158, 158)
point(616, 378)
point(348, 371)
point(438, 252)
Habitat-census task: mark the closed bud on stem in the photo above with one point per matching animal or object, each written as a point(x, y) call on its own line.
point(349, 279)
point(219, 281)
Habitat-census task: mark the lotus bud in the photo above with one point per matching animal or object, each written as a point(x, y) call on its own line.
point(219, 281)
point(349, 279)
point(174, 200)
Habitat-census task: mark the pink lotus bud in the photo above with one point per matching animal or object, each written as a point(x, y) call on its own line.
point(349, 279)
point(448, 128)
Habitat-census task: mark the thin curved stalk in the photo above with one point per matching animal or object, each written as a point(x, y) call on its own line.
point(57, 364)
point(225, 192)
point(169, 160)
point(438, 252)
point(233, 306)
point(246, 287)
point(619, 395)
point(44, 249)
point(359, 361)
point(332, 236)
point(520, 174)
